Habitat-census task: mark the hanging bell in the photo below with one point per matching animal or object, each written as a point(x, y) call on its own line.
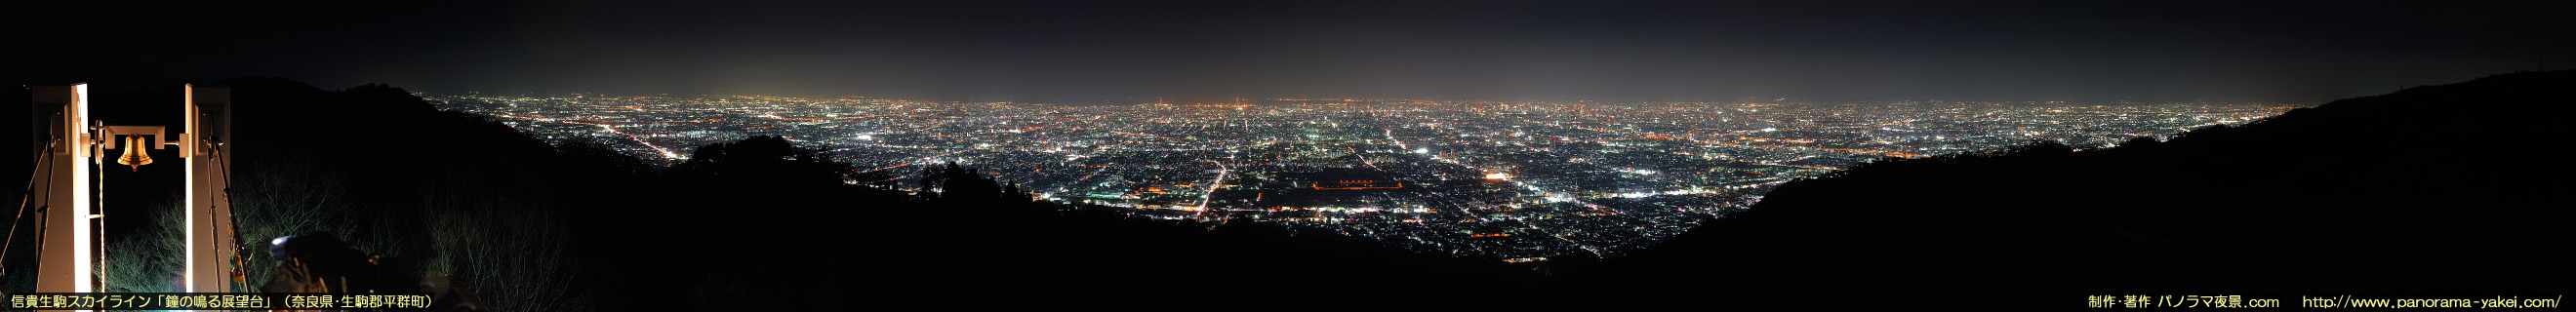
point(135, 157)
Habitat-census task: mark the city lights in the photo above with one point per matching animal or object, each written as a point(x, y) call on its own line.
point(1557, 177)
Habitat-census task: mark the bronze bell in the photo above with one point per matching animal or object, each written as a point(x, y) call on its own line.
point(135, 157)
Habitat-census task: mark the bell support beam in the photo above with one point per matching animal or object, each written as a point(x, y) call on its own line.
point(210, 226)
point(64, 252)
point(159, 134)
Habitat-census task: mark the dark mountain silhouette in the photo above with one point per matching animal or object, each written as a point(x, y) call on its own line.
point(2447, 189)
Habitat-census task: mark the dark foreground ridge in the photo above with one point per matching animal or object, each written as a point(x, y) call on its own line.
point(2448, 189)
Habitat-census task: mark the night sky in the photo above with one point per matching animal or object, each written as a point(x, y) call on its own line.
point(1212, 51)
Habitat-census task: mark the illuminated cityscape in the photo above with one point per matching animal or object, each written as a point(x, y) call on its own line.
point(1517, 182)
point(1759, 155)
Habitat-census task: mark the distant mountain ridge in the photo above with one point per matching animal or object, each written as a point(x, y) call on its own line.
point(2437, 189)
